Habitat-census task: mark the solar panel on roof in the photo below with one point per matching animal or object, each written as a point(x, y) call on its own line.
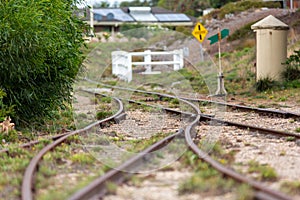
point(145, 17)
point(172, 17)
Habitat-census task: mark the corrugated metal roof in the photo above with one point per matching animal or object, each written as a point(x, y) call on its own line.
point(270, 22)
point(115, 13)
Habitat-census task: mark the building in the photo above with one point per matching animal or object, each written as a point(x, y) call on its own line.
point(110, 19)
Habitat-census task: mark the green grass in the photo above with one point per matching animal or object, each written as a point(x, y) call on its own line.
point(290, 138)
point(82, 158)
point(205, 179)
point(106, 99)
point(103, 114)
point(12, 169)
point(111, 187)
point(265, 172)
point(291, 187)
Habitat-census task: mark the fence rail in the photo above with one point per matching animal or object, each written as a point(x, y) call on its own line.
point(122, 62)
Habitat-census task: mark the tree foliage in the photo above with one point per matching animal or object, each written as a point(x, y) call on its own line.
point(40, 55)
point(135, 3)
point(102, 4)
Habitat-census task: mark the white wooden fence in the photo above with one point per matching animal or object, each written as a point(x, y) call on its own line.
point(122, 62)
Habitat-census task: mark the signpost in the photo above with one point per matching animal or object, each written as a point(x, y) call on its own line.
point(199, 33)
point(213, 39)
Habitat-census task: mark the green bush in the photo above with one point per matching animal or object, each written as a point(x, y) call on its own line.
point(40, 55)
point(265, 84)
point(103, 114)
point(292, 71)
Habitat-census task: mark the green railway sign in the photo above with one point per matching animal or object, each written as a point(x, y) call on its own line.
point(219, 36)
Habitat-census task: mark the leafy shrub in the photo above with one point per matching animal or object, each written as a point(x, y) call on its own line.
point(265, 84)
point(40, 55)
point(292, 71)
point(103, 114)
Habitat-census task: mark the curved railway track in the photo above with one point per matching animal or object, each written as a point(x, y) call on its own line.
point(204, 117)
point(97, 189)
point(32, 143)
point(278, 113)
point(28, 179)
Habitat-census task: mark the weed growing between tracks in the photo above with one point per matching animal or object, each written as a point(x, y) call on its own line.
point(12, 168)
point(264, 172)
point(65, 170)
point(207, 181)
point(291, 187)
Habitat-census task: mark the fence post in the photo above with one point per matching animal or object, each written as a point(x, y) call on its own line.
point(178, 59)
point(121, 65)
point(129, 67)
point(147, 59)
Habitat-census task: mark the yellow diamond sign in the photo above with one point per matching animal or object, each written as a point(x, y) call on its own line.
point(199, 32)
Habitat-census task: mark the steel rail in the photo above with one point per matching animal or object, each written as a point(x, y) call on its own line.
point(282, 113)
point(220, 121)
point(267, 192)
point(97, 188)
point(35, 142)
point(27, 184)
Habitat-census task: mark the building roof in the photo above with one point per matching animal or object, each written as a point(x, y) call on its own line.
point(113, 14)
point(270, 22)
point(140, 14)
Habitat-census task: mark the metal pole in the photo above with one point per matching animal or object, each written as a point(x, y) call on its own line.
point(201, 52)
point(221, 88)
point(291, 4)
point(219, 42)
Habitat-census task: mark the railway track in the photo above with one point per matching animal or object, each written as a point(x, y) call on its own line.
point(28, 179)
point(97, 189)
point(216, 121)
point(263, 111)
point(117, 175)
point(27, 191)
point(35, 142)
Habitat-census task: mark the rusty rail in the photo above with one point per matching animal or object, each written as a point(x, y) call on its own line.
point(281, 113)
point(97, 189)
point(32, 143)
point(265, 191)
point(204, 117)
point(28, 178)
